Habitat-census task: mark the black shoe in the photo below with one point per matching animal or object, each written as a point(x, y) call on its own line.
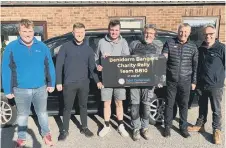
point(184, 133)
point(86, 132)
point(167, 132)
point(63, 135)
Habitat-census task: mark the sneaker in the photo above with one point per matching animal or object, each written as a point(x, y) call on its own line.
point(87, 132)
point(63, 135)
point(144, 133)
point(48, 139)
point(217, 136)
point(20, 143)
point(136, 134)
point(122, 131)
point(104, 131)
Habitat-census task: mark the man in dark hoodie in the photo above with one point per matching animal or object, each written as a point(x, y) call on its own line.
point(210, 82)
point(77, 59)
point(112, 45)
point(142, 96)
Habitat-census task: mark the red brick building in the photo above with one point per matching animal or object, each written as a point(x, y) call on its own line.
point(56, 18)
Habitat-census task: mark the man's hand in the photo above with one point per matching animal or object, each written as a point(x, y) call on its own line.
point(166, 55)
point(193, 86)
point(106, 55)
point(10, 96)
point(50, 89)
point(100, 85)
point(59, 87)
point(99, 68)
point(160, 85)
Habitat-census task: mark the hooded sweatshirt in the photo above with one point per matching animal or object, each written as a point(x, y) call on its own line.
point(107, 46)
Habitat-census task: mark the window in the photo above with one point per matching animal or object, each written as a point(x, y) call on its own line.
point(196, 26)
point(9, 31)
point(134, 22)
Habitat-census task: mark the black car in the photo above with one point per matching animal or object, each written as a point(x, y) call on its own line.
point(55, 99)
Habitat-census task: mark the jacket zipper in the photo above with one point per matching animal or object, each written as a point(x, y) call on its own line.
point(180, 62)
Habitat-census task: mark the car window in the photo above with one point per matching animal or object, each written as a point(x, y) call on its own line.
point(160, 41)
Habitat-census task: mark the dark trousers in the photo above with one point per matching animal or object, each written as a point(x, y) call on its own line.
point(182, 91)
point(215, 96)
point(70, 91)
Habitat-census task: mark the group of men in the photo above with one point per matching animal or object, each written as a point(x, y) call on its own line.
point(187, 68)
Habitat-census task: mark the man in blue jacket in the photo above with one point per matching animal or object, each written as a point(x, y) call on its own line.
point(211, 77)
point(28, 75)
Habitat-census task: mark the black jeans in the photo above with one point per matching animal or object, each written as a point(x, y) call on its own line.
point(215, 96)
point(70, 91)
point(182, 91)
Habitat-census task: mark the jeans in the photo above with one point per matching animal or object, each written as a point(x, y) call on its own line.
point(140, 98)
point(70, 91)
point(23, 99)
point(215, 96)
point(180, 93)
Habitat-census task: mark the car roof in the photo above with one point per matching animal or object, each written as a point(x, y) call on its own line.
point(123, 31)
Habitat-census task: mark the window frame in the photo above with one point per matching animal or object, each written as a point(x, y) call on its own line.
point(123, 18)
point(36, 23)
point(216, 19)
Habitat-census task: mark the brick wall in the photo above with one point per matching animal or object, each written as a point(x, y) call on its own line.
point(60, 19)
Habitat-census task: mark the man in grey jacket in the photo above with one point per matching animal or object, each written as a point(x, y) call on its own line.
point(141, 96)
point(112, 45)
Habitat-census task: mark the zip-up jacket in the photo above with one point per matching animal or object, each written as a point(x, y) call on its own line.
point(142, 48)
point(182, 61)
point(211, 69)
point(27, 67)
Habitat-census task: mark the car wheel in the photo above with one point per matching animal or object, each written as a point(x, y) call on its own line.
point(157, 107)
point(8, 113)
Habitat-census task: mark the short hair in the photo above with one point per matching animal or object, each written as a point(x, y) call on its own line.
point(113, 23)
point(150, 26)
point(26, 22)
point(184, 25)
point(209, 25)
point(78, 25)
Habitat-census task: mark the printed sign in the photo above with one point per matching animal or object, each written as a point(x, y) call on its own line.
point(132, 71)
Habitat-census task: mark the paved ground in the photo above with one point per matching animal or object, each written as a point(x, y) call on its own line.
point(114, 140)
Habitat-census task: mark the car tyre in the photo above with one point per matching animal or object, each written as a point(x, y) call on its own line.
point(157, 108)
point(8, 113)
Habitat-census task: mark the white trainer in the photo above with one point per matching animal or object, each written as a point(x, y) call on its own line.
point(122, 131)
point(104, 131)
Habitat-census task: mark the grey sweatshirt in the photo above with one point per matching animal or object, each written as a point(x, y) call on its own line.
point(106, 46)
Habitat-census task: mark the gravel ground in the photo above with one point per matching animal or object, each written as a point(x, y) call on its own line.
point(113, 139)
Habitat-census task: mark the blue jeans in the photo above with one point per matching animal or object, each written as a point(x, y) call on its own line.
point(23, 99)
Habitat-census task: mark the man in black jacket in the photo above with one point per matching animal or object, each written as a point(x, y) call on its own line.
point(210, 83)
point(77, 59)
point(181, 73)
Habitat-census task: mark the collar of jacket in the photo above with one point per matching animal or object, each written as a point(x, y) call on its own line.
point(213, 46)
point(178, 41)
point(77, 44)
point(35, 41)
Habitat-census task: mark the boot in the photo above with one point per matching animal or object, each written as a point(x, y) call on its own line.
point(217, 136)
point(136, 134)
point(167, 132)
point(196, 128)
